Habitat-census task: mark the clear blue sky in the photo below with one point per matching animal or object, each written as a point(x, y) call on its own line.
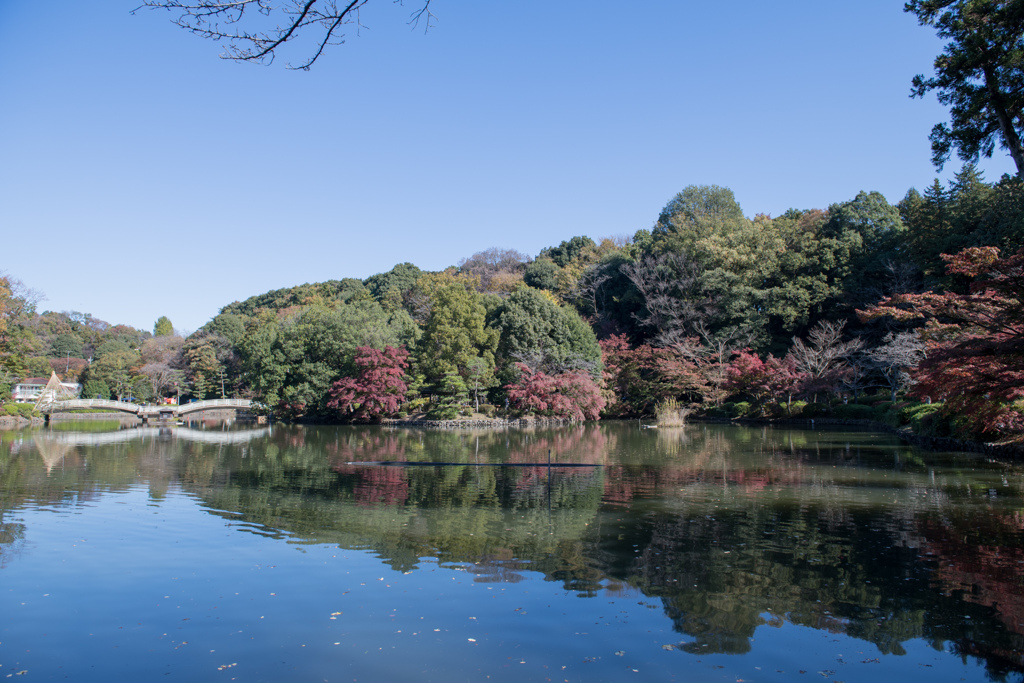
point(142, 176)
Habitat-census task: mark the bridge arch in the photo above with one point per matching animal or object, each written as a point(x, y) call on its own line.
point(151, 411)
point(79, 403)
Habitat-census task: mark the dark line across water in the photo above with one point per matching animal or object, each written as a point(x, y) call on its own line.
point(409, 463)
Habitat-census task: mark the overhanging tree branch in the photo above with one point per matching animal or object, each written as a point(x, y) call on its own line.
point(254, 30)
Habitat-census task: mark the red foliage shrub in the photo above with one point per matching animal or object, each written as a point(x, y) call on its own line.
point(378, 389)
point(974, 341)
point(569, 395)
point(772, 379)
point(638, 378)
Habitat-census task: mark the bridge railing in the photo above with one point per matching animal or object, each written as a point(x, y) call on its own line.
point(213, 404)
point(92, 403)
point(134, 409)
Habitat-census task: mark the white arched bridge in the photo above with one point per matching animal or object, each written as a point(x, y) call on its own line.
point(159, 411)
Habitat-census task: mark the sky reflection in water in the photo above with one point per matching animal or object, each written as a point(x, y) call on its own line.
point(705, 553)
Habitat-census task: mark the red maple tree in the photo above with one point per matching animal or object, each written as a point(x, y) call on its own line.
point(772, 379)
point(568, 395)
point(638, 378)
point(974, 341)
point(378, 389)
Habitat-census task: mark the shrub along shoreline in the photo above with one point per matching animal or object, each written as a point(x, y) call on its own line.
point(921, 424)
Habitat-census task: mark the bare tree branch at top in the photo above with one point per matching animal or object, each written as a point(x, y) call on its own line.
point(675, 301)
point(253, 30)
point(585, 290)
point(825, 356)
point(897, 357)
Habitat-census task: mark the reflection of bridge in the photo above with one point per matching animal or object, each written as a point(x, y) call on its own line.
point(123, 435)
point(163, 411)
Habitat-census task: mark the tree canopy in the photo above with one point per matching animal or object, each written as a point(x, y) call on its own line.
point(163, 327)
point(537, 331)
point(979, 75)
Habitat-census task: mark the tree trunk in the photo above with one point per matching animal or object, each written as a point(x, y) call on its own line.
point(1010, 136)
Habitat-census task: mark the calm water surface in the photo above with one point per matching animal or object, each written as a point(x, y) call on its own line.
point(709, 553)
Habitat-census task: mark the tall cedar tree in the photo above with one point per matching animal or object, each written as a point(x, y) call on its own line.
point(978, 75)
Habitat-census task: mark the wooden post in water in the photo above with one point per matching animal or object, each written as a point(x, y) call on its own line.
point(549, 484)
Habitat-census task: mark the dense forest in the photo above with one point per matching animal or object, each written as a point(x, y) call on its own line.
point(839, 311)
point(910, 313)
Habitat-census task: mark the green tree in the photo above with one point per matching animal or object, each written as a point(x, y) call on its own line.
point(6, 386)
point(114, 369)
point(394, 283)
point(17, 341)
point(200, 386)
point(294, 360)
point(535, 330)
point(228, 325)
point(479, 377)
point(328, 293)
point(731, 256)
point(862, 238)
point(201, 361)
point(542, 274)
point(451, 397)
point(969, 213)
point(798, 286)
point(95, 388)
point(111, 347)
point(163, 327)
point(1006, 217)
point(38, 366)
point(67, 345)
point(697, 219)
point(141, 389)
point(979, 75)
point(929, 227)
point(575, 249)
point(455, 332)
point(262, 361)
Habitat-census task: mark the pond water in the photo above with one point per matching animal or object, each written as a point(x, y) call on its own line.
point(706, 553)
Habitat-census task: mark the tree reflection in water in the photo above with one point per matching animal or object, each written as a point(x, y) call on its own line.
point(731, 528)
